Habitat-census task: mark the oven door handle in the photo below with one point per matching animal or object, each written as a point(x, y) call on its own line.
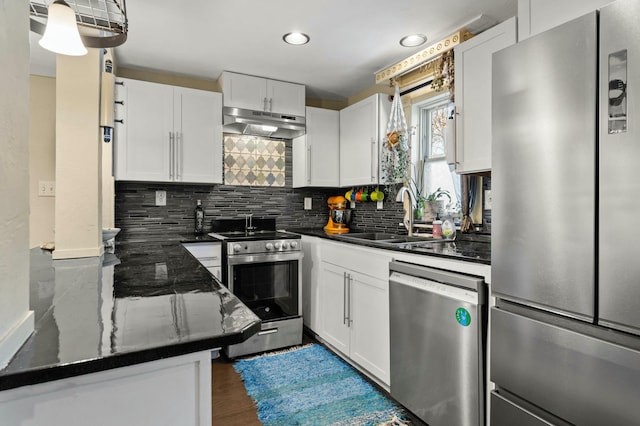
point(264, 257)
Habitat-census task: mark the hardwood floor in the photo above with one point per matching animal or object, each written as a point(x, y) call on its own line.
point(231, 406)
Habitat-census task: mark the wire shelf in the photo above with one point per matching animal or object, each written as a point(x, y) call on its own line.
point(107, 16)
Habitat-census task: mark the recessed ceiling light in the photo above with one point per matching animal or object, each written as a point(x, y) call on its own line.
point(413, 40)
point(296, 38)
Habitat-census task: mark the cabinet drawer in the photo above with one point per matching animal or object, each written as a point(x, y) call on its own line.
point(508, 413)
point(204, 251)
point(363, 260)
point(564, 371)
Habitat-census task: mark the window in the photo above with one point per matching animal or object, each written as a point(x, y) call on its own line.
point(432, 116)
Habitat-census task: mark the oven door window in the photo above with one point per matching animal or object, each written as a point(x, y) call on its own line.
point(269, 289)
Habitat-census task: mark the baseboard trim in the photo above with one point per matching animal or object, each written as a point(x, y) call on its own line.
point(15, 338)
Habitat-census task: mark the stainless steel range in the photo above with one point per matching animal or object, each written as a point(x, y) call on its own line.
point(262, 267)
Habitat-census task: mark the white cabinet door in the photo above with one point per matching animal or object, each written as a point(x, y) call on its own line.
point(261, 94)
point(538, 16)
point(285, 98)
point(244, 91)
point(310, 283)
point(369, 297)
point(316, 155)
point(359, 143)
point(333, 301)
point(142, 141)
point(199, 135)
point(473, 96)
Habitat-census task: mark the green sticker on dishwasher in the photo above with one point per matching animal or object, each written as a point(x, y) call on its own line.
point(463, 317)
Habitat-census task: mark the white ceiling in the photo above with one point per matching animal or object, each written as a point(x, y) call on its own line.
point(350, 39)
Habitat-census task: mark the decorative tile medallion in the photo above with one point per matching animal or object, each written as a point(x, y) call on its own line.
point(253, 161)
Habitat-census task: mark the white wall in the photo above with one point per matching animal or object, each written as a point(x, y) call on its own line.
point(42, 156)
point(16, 321)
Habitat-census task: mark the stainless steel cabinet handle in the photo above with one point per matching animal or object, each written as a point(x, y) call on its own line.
point(268, 331)
point(349, 282)
point(171, 152)
point(270, 104)
point(344, 299)
point(373, 162)
point(264, 104)
point(309, 164)
point(179, 148)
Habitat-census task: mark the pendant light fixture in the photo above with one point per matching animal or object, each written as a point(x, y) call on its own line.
point(61, 34)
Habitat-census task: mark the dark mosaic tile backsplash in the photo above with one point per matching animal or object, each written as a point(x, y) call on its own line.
point(138, 216)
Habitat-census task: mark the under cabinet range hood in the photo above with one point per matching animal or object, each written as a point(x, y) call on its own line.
point(262, 123)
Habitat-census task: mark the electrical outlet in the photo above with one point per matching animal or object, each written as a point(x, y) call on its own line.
point(487, 199)
point(380, 205)
point(161, 198)
point(46, 188)
point(307, 203)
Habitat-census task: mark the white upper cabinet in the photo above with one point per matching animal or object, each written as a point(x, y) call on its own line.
point(262, 94)
point(473, 96)
point(362, 128)
point(316, 155)
point(167, 134)
point(536, 16)
point(143, 140)
point(198, 128)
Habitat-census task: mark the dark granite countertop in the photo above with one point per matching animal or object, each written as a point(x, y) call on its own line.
point(466, 247)
point(148, 300)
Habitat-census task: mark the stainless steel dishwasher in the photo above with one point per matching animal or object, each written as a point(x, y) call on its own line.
point(438, 335)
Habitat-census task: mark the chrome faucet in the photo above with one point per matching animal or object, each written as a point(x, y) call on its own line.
point(400, 197)
point(248, 225)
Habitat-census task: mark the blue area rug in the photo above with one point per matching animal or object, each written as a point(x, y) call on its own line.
point(311, 386)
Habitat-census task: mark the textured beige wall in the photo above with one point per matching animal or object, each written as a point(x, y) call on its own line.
point(16, 321)
point(42, 156)
point(78, 207)
point(164, 78)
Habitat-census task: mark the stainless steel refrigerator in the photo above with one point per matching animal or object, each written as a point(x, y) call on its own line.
point(565, 332)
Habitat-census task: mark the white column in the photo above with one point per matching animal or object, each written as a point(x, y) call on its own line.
point(16, 321)
point(78, 210)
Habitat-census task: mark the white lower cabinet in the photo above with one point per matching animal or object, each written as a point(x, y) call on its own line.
point(310, 279)
point(354, 305)
point(170, 391)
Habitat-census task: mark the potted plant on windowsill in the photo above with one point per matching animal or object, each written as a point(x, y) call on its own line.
point(434, 204)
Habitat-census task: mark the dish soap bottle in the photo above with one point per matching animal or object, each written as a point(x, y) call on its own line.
point(448, 228)
point(199, 216)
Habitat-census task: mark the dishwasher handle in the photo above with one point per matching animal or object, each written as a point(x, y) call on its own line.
point(441, 289)
point(439, 275)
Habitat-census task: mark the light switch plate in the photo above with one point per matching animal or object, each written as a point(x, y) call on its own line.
point(307, 203)
point(380, 205)
point(487, 199)
point(161, 198)
point(46, 188)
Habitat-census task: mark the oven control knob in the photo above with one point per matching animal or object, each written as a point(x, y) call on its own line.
point(278, 245)
point(269, 246)
point(294, 244)
point(285, 245)
point(237, 248)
